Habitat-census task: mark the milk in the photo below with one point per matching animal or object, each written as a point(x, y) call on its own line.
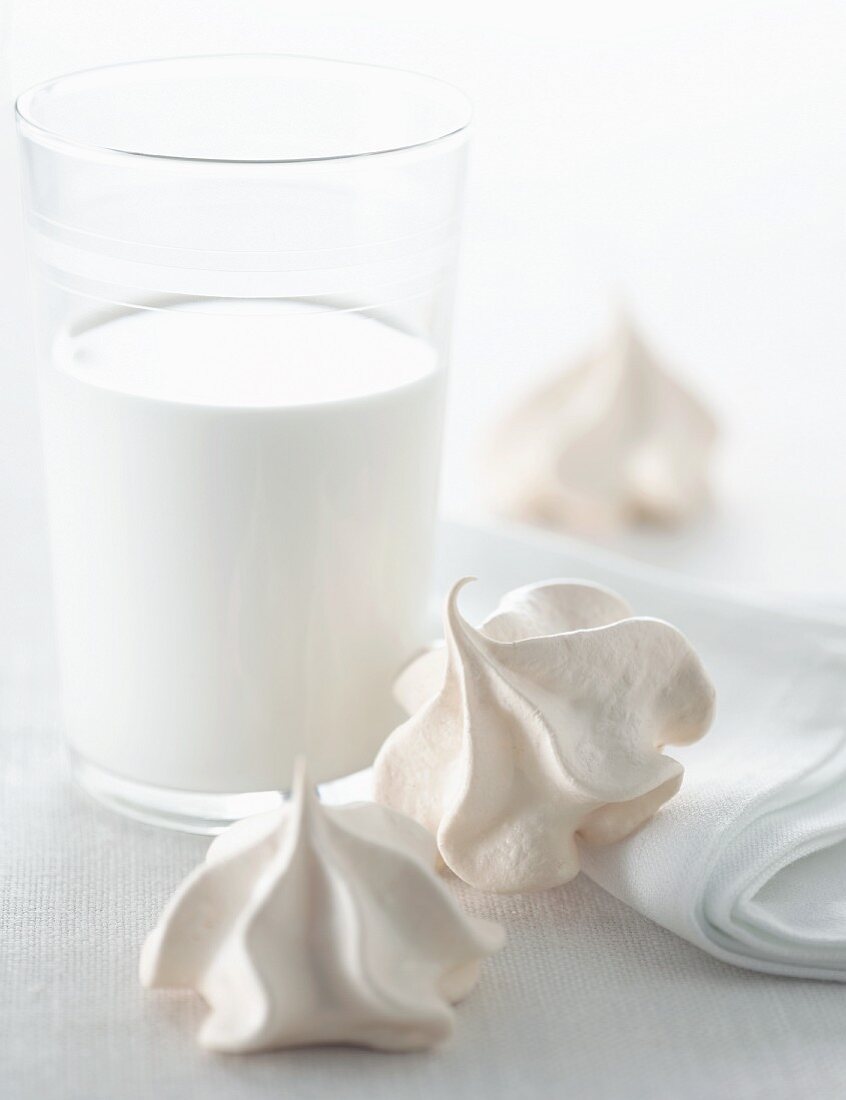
point(242, 511)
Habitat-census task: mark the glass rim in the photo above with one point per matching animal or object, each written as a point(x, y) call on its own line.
point(26, 99)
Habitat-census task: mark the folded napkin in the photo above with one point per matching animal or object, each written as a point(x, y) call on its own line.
point(748, 861)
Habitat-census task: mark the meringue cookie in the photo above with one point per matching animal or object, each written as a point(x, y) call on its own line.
point(612, 442)
point(318, 924)
point(544, 725)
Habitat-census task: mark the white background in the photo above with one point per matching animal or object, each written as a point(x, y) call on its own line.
point(689, 156)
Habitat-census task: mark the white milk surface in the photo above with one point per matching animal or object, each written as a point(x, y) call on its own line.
point(242, 513)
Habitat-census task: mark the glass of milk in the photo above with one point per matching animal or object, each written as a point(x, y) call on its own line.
point(243, 272)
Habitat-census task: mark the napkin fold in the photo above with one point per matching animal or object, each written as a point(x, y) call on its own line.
point(748, 861)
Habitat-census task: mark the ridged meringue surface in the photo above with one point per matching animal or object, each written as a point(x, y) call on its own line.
point(543, 725)
point(614, 441)
point(320, 924)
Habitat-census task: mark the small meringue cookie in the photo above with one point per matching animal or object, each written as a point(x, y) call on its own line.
point(610, 443)
point(543, 725)
point(320, 924)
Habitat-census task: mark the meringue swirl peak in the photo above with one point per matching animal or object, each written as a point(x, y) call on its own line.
point(316, 924)
point(612, 442)
point(543, 727)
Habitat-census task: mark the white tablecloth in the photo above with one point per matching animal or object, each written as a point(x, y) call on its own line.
point(588, 999)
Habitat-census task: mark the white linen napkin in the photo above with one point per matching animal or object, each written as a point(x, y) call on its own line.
point(748, 861)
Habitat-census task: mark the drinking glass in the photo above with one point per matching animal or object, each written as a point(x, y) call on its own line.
point(243, 271)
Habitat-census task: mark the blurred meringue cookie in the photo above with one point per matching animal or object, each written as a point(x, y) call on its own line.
point(544, 725)
point(612, 442)
point(320, 924)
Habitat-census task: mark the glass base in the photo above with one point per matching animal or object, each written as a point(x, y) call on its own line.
point(188, 811)
point(193, 811)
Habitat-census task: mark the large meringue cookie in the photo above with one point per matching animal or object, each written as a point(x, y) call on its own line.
point(612, 442)
point(314, 924)
point(543, 726)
